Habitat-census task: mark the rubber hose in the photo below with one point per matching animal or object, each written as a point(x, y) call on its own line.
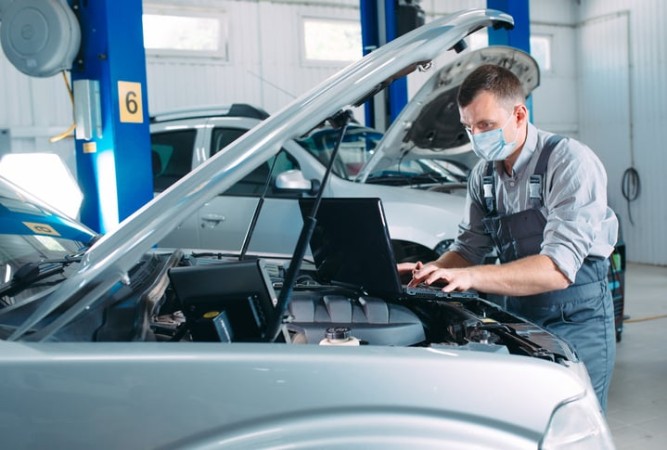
point(630, 188)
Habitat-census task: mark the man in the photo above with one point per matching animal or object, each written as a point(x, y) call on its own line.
point(547, 218)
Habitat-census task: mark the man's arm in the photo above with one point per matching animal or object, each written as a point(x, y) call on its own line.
point(526, 276)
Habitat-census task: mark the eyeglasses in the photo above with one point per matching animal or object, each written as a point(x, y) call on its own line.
point(488, 126)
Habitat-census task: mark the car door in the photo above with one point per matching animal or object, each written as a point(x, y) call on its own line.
point(225, 220)
point(173, 155)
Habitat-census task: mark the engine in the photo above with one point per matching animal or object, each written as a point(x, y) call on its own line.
point(172, 298)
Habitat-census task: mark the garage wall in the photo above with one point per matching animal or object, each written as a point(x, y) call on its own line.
point(265, 64)
point(622, 64)
point(555, 105)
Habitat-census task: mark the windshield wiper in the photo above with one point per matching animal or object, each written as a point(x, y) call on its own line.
point(412, 178)
point(32, 272)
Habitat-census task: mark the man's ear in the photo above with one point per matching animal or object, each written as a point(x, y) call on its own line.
point(522, 113)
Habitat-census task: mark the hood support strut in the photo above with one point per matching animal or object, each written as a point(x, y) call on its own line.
point(340, 120)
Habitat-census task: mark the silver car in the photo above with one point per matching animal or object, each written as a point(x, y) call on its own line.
point(110, 342)
point(183, 140)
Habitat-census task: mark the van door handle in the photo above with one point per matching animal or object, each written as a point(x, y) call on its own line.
point(212, 220)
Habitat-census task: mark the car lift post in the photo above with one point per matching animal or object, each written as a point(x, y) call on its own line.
point(519, 37)
point(113, 153)
point(378, 26)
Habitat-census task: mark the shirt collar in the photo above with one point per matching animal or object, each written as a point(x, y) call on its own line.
point(527, 151)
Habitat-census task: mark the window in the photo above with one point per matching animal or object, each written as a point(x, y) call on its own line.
point(478, 40)
point(222, 137)
point(355, 150)
point(172, 157)
point(185, 34)
point(331, 40)
point(540, 47)
point(253, 183)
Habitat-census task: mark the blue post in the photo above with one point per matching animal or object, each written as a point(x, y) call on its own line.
point(519, 37)
point(370, 40)
point(114, 164)
point(398, 90)
point(378, 26)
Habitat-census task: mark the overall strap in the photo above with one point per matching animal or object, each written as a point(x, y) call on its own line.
point(489, 190)
point(536, 183)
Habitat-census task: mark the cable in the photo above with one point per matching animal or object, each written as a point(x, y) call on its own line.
point(644, 319)
point(630, 188)
point(72, 127)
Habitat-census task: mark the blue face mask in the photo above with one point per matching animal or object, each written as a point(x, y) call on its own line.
point(491, 145)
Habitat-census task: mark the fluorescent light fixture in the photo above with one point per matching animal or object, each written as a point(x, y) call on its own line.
point(45, 176)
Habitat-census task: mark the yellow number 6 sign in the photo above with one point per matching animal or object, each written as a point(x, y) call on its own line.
point(129, 99)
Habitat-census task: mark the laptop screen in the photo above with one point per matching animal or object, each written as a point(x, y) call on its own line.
point(351, 244)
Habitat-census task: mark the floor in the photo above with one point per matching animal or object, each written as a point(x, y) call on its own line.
point(637, 406)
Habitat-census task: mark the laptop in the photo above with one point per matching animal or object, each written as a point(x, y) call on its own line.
point(351, 246)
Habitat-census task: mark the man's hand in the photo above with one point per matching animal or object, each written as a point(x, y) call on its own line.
point(406, 268)
point(527, 276)
point(452, 279)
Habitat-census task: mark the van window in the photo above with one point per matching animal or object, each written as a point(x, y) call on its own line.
point(171, 152)
point(222, 137)
point(253, 183)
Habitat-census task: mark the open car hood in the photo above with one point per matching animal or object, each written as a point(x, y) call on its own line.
point(110, 259)
point(429, 126)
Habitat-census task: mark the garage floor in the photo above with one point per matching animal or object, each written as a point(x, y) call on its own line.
point(637, 408)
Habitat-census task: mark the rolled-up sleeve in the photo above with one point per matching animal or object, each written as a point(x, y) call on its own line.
point(578, 218)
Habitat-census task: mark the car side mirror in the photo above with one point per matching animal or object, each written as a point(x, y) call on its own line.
point(293, 180)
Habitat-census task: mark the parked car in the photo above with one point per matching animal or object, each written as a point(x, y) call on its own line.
point(110, 346)
point(224, 221)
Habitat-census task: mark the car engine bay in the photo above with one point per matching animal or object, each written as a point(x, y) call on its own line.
point(148, 308)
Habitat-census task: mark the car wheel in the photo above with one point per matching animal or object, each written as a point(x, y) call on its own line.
point(412, 252)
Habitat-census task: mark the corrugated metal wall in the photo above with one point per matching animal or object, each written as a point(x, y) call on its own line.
point(555, 100)
point(265, 65)
point(622, 65)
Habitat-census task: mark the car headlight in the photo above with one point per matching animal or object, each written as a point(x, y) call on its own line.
point(578, 423)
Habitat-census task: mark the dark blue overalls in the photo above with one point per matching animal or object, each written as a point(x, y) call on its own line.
point(583, 313)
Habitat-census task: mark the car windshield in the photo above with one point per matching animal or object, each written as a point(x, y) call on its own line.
point(31, 233)
point(17, 250)
point(417, 171)
point(358, 146)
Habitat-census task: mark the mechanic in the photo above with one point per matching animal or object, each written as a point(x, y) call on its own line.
point(540, 201)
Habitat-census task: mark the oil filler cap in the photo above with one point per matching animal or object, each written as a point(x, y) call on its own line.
point(337, 333)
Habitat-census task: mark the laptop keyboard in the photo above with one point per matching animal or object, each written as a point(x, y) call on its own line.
point(425, 290)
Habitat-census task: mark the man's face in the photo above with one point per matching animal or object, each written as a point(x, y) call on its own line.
point(485, 113)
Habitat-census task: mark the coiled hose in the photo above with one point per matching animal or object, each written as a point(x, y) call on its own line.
point(630, 188)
